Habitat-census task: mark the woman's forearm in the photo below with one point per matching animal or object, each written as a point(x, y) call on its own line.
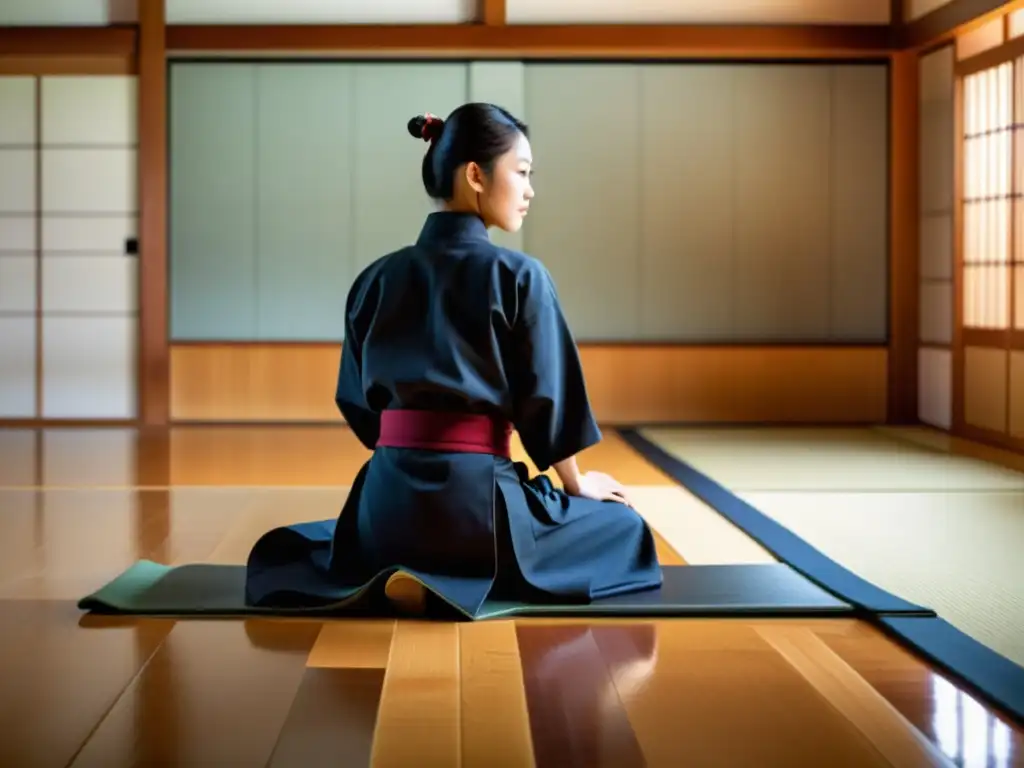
point(569, 474)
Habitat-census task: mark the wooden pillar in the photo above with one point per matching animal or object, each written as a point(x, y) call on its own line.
point(154, 367)
point(492, 12)
point(903, 246)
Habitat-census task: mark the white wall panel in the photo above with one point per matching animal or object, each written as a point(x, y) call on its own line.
point(935, 387)
point(18, 187)
point(304, 199)
point(89, 284)
point(858, 181)
point(935, 71)
point(17, 110)
point(17, 367)
point(502, 83)
point(586, 216)
point(88, 234)
point(89, 181)
point(936, 321)
point(697, 11)
point(18, 283)
point(324, 11)
point(89, 365)
point(686, 265)
point(936, 154)
point(66, 12)
point(783, 131)
point(936, 245)
point(89, 110)
point(17, 233)
point(389, 203)
point(17, 181)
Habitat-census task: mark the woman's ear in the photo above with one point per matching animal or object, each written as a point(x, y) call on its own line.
point(475, 177)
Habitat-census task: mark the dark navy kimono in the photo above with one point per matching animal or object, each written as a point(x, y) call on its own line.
point(456, 323)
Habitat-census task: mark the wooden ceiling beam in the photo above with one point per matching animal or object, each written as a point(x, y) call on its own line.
point(532, 41)
point(120, 40)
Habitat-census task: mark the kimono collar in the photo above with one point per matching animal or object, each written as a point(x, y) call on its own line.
point(450, 226)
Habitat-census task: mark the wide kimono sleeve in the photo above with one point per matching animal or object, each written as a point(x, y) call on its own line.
point(349, 394)
point(551, 407)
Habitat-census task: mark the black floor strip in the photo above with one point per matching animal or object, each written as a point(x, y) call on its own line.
point(992, 676)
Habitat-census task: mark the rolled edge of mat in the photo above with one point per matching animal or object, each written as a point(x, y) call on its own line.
point(105, 599)
point(990, 674)
point(789, 548)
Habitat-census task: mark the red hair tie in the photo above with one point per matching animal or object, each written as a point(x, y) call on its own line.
point(425, 132)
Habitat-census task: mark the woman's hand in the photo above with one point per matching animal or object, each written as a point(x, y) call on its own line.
point(598, 486)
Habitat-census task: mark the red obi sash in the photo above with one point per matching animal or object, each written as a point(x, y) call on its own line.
point(437, 431)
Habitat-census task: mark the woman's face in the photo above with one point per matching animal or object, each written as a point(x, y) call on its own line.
point(504, 196)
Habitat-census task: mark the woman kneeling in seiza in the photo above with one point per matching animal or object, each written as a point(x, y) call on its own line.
point(450, 344)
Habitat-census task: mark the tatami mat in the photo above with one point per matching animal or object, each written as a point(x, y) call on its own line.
point(932, 527)
point(693, 529)
point(958, 554)
point(839, 459)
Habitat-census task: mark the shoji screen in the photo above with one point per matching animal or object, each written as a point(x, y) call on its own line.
point(936, 201)
point(675, 202)
point(993, 248)
point(67, 210)
point(585, 222)
point(89, 209)
point(740, 203)
point(286, 180)
point(18, 186)
point(390, 204)
point(504, 83)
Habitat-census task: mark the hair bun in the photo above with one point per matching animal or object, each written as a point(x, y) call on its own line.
point(427, 127)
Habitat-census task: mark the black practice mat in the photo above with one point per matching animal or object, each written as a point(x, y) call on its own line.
point(152, 589)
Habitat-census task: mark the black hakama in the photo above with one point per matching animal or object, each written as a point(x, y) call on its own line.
point(457, 325)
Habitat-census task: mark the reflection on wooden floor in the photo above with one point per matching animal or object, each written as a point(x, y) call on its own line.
point(228, 456)
point(88, 691)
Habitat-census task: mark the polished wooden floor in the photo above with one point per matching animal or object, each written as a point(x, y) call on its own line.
point(77, 506)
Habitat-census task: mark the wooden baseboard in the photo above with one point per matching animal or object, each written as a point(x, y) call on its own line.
point(256, 383)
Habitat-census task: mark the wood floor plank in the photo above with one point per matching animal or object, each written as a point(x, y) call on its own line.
point(495, 718)
point(211, 695)
point(418, 721)
point(964, 728)
point(61, 674)
point(332, 721)
point(891, 734)
point(576, 717)
point(353, 644)
point(714, 693)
